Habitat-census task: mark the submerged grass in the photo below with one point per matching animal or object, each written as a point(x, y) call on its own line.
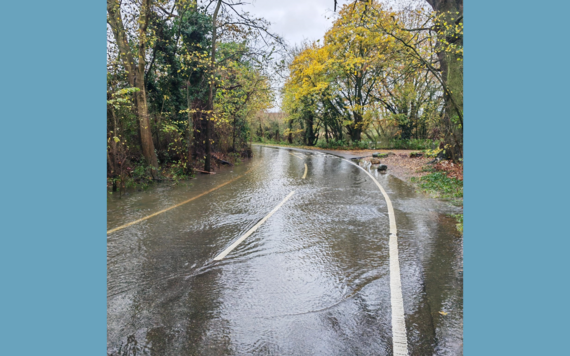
point(439, 185)
point(459, 219)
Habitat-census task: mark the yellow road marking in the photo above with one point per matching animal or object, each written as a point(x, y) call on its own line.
point(179, 204)
point(306, 169)
point(252, 230)
point(292, 154)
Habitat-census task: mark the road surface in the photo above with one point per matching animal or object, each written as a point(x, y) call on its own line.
point(286, 254)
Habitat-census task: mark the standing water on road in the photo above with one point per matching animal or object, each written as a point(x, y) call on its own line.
point(313, 279)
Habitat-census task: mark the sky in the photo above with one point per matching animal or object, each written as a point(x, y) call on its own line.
point(295, 20)
point(299, 20)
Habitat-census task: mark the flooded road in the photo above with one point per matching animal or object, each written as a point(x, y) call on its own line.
point(313, 279)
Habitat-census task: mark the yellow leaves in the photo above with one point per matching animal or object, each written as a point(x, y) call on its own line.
point(443, 313)
point(360, 54)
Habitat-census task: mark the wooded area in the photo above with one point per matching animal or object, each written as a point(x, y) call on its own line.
point(380, 76)
point(183, 79)
point(193, 82)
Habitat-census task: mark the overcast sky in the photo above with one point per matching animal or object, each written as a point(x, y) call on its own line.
point(295, 20)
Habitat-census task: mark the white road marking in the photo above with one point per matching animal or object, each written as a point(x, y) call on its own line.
point(399, 337)
point(252, 230)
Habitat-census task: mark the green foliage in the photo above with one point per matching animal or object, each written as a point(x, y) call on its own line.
point(381, 155)
point(378, 74)
point(439, 185)
point(408, 144)
point(235, 158)
point(179, 73)
point(433, 153)
point(332, 143)
point(177, 171)
point(343, 144)
point(459, 219)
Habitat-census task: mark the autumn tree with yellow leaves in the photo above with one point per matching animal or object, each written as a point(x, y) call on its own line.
point(377, 73)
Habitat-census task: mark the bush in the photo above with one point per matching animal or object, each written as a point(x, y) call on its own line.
point(332, 144)
point(411, 144)
point(342, 144)
point(433, 153)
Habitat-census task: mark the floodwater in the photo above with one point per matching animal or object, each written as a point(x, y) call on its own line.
point(312, 280)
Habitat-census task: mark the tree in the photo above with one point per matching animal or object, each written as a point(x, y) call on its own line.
point(446, 23)
point(135, 70)
point(185, 58)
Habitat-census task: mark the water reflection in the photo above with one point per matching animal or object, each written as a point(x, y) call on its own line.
point(314, 279)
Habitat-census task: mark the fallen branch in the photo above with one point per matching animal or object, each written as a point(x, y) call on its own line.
point(222, 161)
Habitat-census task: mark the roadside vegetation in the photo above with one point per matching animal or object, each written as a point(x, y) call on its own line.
point(382, 78)
point(191, 84)
point(185, 79)
point(379, 79)
point(443, 182)
point(440, 185)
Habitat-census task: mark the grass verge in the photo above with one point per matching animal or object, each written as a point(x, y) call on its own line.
point(439, 185)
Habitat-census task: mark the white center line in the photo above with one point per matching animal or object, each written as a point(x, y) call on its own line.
point(252, 230)
point(399, 337)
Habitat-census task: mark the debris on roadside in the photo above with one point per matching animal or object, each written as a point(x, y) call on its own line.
point(382, 155)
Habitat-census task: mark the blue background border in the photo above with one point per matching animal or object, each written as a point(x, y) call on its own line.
point(53, 218)
point(53, 142)
point(516, 242)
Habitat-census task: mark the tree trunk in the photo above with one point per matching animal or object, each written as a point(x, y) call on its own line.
point(234, 136)
point(157, 135)
point(207, 164)
point(446, 5)
point(145, 130)
point(190, 127)
point(356, 130)
point(135, 73)
point(309, 132)
point(449, 70)
point(113, 146)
